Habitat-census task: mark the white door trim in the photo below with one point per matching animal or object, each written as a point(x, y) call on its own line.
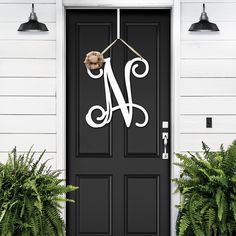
point(118, 3)
point(175, 76)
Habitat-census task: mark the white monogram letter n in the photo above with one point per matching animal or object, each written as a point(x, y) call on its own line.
point(111, 83)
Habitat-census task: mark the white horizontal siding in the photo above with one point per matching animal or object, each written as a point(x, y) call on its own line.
point(27, 105)
point(193, 142)
point(9, 31)
point(21, 12)
point(49, 157)
point(208, 76)
point(27, 68)
point(208, 49)
point(207, 1)
point(208, 105)
point(35, 86)
point(13, 2)
point(221, 124)
point(27, 49)
point(208, 87)
point(35, 124)
point(27, 79)
point(24, 141)
point(208, 68)
point(217, 11)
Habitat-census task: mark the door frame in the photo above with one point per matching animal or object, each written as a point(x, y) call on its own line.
point(174, 6)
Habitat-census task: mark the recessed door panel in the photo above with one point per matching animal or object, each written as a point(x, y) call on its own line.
point(144, 142)
point(142, 204)
point(95, 200)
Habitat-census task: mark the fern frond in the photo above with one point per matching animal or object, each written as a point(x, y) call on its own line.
point(30, 194)
point(207, 183)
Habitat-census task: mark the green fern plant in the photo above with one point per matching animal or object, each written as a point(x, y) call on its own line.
point(207, 184)
point(30, 197)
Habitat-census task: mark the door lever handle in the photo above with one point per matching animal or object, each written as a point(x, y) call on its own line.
point(165, 154)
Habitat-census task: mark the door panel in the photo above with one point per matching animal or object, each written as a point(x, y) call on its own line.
point(124, 182)
point(95, 201)
point(141, 216)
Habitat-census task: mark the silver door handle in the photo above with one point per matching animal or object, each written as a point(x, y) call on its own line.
point(165, 142)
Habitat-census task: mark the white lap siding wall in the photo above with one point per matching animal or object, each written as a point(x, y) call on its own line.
point(208, 76)
point(27, 79)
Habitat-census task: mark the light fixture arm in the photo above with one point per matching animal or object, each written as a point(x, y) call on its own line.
point(204, 14)
point(33, 15)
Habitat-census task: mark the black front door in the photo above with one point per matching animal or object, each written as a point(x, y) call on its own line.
point(124, 180)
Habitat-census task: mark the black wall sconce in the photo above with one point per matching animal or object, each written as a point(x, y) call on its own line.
point(33, 23)
point(204, 23)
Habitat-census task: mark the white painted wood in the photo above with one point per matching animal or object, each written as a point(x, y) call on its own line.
point(27, 1)
point(3, 157)
point(175, 74)
point(61, 93)
point(61, 89)
point(208, 105)
point(21, 12)
point(27, 105)
point(193, 142)
point(227, 32)
point(118, 3)
point(27, 49)
point(175, 77)
point(208, 49)
point(28, 86)
point(208, 87)
point(49, 157)
point(27, 68)
point(197, 124)
point(221, 11)
point(211, 1)
point(208, 68)
point(9, 31)
point(24, 141)
point(41, 124)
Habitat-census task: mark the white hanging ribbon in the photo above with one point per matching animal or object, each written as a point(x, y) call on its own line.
point(123, 41)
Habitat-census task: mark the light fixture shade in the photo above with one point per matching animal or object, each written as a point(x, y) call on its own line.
point(33, 23)
point(204, 23)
